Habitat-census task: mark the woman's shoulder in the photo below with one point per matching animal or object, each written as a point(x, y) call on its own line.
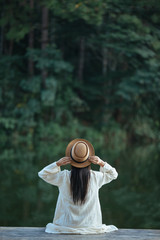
point(95, 176)
point(65, 172)
point(64, 176)
point(95, 173)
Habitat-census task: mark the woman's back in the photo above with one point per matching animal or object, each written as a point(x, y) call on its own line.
point(68, 216)
point(78, 208)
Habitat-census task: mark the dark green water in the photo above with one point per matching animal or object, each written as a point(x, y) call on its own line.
point(130, 201)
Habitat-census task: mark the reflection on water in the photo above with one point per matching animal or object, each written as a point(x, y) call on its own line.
point(131, 201)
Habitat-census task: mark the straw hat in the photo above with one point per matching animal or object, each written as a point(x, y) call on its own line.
point(79, 150)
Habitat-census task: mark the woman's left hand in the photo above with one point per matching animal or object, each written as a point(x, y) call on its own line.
point(96, 160)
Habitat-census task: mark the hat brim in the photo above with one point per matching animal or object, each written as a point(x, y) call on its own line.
point(91, 152)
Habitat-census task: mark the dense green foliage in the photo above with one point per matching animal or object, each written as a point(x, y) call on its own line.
point(102, 64)
point(87, 69)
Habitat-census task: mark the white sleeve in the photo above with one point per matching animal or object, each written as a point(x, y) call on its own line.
point(51, 174)
point(107, 174)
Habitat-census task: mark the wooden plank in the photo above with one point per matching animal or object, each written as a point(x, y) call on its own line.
point(38, 233)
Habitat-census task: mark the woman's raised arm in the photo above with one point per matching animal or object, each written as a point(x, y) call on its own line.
point(107, 172)
point(52, 173)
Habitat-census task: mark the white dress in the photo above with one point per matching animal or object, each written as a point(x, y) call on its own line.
point(78, 219)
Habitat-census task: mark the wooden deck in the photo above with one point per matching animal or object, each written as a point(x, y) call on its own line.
point(38, 233)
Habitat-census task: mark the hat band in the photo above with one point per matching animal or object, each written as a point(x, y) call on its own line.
point(75, 160)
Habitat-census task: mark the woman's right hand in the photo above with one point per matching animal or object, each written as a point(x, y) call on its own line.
point(96, 160)
point(63, 161)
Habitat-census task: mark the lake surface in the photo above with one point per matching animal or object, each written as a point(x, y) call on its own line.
point(130, 201)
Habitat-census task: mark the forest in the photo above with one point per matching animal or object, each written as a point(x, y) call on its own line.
point(91, 64)
point(87, 69)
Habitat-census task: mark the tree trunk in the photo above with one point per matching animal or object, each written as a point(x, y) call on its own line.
point(81, 59)
point(104, 61)
point(1, 39)
point(44, 39)
point(31, 42)
point(11, 47)
point(105, 89)
point(104, 73)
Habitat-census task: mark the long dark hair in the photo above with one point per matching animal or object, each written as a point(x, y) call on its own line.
point(79, 183)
